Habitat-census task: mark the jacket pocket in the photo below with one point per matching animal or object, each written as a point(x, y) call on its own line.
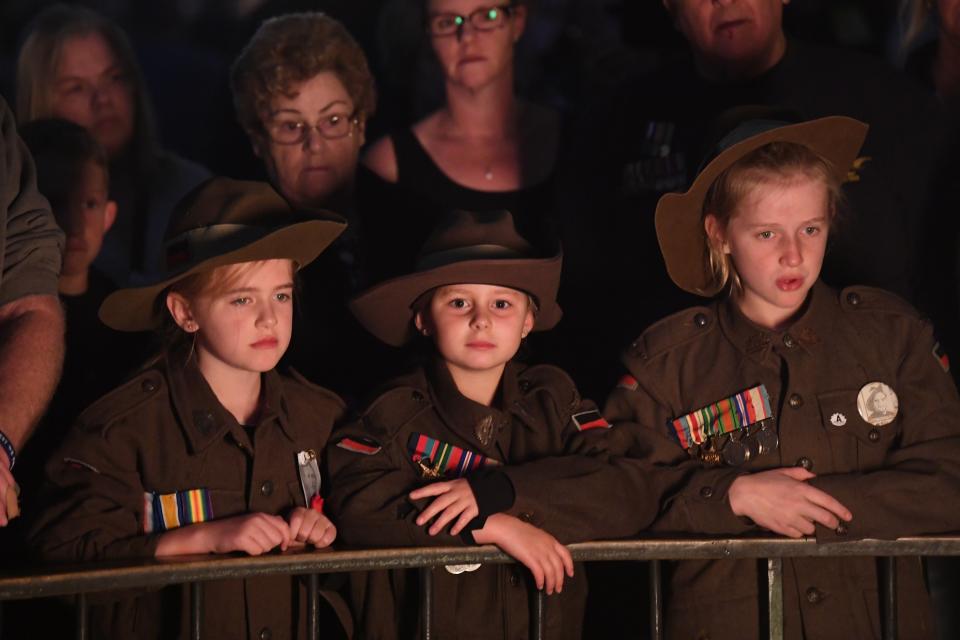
point(855, 443)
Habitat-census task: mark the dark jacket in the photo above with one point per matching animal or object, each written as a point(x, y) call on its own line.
point(537, 418)
point(899, 479)
point(165, 432)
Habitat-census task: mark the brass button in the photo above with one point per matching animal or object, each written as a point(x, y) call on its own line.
point(874, 435)
point(526, 517)
point(805, 463)
point(706, 492)
point(700, 320)
point(514, 578)
point(814, 595)
point(148, 386)
point(266, 489)
point(796, 401)
point(416, 395)
point(853, 298)
point(788, 341)
point(524, 385)
point(265, 633)
point(841, 529)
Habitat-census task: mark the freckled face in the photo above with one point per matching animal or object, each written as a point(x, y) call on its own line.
point(248, 327)
point(93, 90)
point(477, 57)
point(776, 239)
point(477, 327)
point(307, 173)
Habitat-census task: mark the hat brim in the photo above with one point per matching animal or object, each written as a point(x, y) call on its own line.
point(138, 308)
point(679, 216)
point(386, 310)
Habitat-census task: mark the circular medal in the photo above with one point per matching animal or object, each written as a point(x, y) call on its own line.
point(767, 440)
point(877, 404)
point(735, 453)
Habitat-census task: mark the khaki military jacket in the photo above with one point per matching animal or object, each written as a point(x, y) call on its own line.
point(535, 434)
point(162, 433)
point(898, 479)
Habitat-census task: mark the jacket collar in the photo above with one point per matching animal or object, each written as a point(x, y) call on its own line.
point(472, 421)
point(807, 332)
point(203, 419)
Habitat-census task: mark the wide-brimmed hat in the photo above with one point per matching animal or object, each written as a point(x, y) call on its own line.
point(679, 216)
point(466, 248)
point(222, 222)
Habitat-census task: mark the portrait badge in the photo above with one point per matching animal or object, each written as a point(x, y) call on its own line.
point(877, 404)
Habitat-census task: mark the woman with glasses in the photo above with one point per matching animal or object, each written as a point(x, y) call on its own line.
point(484, 148)
point(303, 92)
point(78, 65)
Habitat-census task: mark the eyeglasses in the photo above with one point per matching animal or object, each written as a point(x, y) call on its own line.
point(288, 130)
point(483, 19)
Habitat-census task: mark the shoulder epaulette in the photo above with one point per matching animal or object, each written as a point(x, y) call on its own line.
point(394, 408)
point(551, 380)
point(669, 333)
point(120, 402)
point(861, 298)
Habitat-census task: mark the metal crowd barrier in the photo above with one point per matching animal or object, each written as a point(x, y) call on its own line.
point(195, 570)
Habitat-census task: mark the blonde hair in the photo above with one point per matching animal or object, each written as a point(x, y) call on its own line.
point(288, 50)
point(39, 59)
point(773, 163)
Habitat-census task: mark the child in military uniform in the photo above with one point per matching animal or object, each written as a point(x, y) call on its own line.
point(209, 449)
point(464, 450)
point(790, 406)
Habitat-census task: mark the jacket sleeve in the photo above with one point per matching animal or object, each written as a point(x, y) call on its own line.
point(915, 488)
point(586, 491)
point(693, 497)
point(92, 503)
point(30, 239)
point(371, 479)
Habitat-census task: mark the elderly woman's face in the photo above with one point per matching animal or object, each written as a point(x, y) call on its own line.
point(474, 39)
point(308, 171)
point(93, 90)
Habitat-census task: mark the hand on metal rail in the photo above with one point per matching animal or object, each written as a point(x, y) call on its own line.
point(536, 549)
point(454, 499)
point(252, 533)
point(311, 527)
point(781, 500)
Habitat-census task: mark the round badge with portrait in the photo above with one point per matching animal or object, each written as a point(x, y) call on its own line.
point(877, 404)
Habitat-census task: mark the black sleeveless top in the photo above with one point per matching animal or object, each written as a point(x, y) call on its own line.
point(397, 218)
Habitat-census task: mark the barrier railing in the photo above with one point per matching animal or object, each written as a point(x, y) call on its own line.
point(194, 570)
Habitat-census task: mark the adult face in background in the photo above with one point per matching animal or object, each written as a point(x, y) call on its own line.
point(92, 89)
point(480, 49)
point(731, 38)
point(303, 91)
point(313, 139)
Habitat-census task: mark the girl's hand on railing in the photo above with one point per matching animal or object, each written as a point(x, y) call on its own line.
point(537, 550)
point(311, 527)
point(252, 533)
point(781, 500)
point(454, 499)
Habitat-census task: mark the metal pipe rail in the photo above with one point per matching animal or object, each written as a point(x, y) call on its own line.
point(81, 579)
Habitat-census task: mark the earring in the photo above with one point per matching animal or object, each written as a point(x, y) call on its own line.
point(424, 331)
point(190, 325)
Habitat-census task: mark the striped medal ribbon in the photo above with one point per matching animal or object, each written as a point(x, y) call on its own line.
point(444, 459)
point(725, 416)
